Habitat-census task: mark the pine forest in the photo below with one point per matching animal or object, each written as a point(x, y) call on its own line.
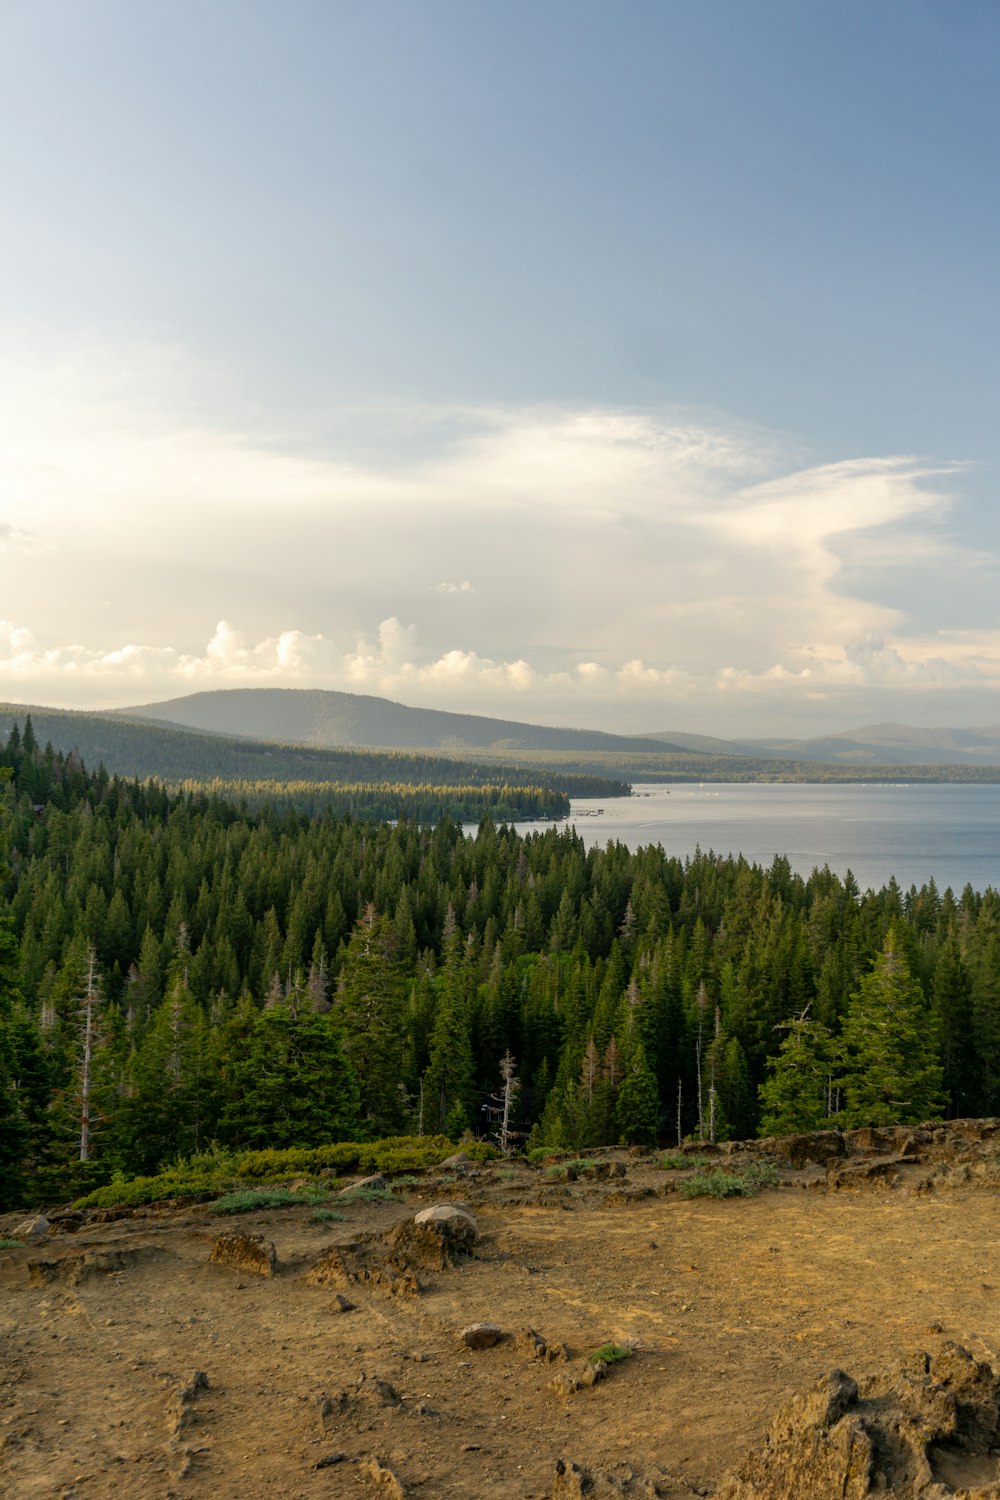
point(202, 969)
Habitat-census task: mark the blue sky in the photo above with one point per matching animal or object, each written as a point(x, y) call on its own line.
point(624, 365)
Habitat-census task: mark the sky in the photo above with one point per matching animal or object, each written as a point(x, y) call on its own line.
point(631, 366)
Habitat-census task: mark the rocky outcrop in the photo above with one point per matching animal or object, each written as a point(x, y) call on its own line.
point(435, 1238)
point(930, 1430)
point(245, 1252)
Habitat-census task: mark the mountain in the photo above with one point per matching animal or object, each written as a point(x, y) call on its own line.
point(873, 744)
point(171, 753)
point(327, 719)
point(900, 744)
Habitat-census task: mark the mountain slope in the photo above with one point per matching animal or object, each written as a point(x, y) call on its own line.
point(323, 718)
point(170, 753)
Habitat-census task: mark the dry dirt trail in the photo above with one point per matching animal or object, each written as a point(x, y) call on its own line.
point(131, 1366)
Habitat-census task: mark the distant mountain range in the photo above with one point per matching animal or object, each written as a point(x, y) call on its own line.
point(289, 734)
point(873, 744)
point(328, 720)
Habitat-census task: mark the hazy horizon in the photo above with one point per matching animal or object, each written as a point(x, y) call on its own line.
point(595, 367)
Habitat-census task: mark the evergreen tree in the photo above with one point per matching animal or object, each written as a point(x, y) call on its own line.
point(637, 1110)
point(795, 1096)
point(292, 1084)
point(370, 1009)
point(449, 1079)
point(891, 1072)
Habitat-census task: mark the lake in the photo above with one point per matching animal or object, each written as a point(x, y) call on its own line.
point(948, 833)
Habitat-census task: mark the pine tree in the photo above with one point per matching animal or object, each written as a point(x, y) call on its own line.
point(891, 1074)
point(292, 1084)
point(370, 1009)
point(795, 1096)
point(637, 1110)
point(450, 1071)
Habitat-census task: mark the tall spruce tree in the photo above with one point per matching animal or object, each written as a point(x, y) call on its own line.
point(891, 1071)
point(795, 1095)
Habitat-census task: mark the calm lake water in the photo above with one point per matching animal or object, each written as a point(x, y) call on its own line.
point(950, 833)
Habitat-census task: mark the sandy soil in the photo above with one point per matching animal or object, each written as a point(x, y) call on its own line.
point(733, 1306)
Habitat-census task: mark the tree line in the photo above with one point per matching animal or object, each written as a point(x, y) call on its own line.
point(176, 969)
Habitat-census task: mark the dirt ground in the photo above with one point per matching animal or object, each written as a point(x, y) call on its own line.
point(732, 1305)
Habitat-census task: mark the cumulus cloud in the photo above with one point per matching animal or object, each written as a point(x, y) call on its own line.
point(624, 562)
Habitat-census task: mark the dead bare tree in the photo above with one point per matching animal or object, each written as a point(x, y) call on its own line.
point(511, 1087)
point(88, 1006)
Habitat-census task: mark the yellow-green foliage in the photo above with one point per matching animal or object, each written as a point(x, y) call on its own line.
point(209, 1175)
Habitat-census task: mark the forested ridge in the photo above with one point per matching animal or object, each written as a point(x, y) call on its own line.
point(179, 971)
point(173, 754)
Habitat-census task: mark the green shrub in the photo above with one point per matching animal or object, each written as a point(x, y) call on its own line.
point(611, 1354)
point(365, 1195)
point(138, 1191)
point(214, 1172)
point(681, 1161)
point(715, 1183)
point(324, 1216)
point(11, 1244)
point(246, 1200)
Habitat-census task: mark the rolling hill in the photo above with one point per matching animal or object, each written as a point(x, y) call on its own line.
point(327, 719)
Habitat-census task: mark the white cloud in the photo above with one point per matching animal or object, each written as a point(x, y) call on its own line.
point(625, 563)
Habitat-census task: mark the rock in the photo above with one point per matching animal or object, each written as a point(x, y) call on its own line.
point(456, 1162)
point(450, 1219)
point(567, 1383)
point(376, 1183)
point(835, 1443)
point(564, 1384)
point(331, 1269)
point(603, 1171)
point(341, 1304)
point(383, 1476)
point(530, 1344)
point(35, 1228)
point(852, 1174)
point(180, 1408)
point(571, 1482)
point(818, 1146)
point(376, 1391)
point(435, 1238)
point(246, 1252)
point(481, 1335)
point(329, 1461)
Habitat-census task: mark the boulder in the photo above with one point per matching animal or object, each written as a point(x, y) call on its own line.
point(435, 1238)
point(450, 1219)
point(481, 1335)
point(35, 1228)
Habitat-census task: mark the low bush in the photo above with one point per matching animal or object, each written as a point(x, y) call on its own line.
point(611, 1354)
point(715, 1183)
point(681, 1161)
point(176, 1183)
point(325, 1215)
point(11, 1244)
point(365, 1195)
point(247, 1200)
point(214, 1172)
